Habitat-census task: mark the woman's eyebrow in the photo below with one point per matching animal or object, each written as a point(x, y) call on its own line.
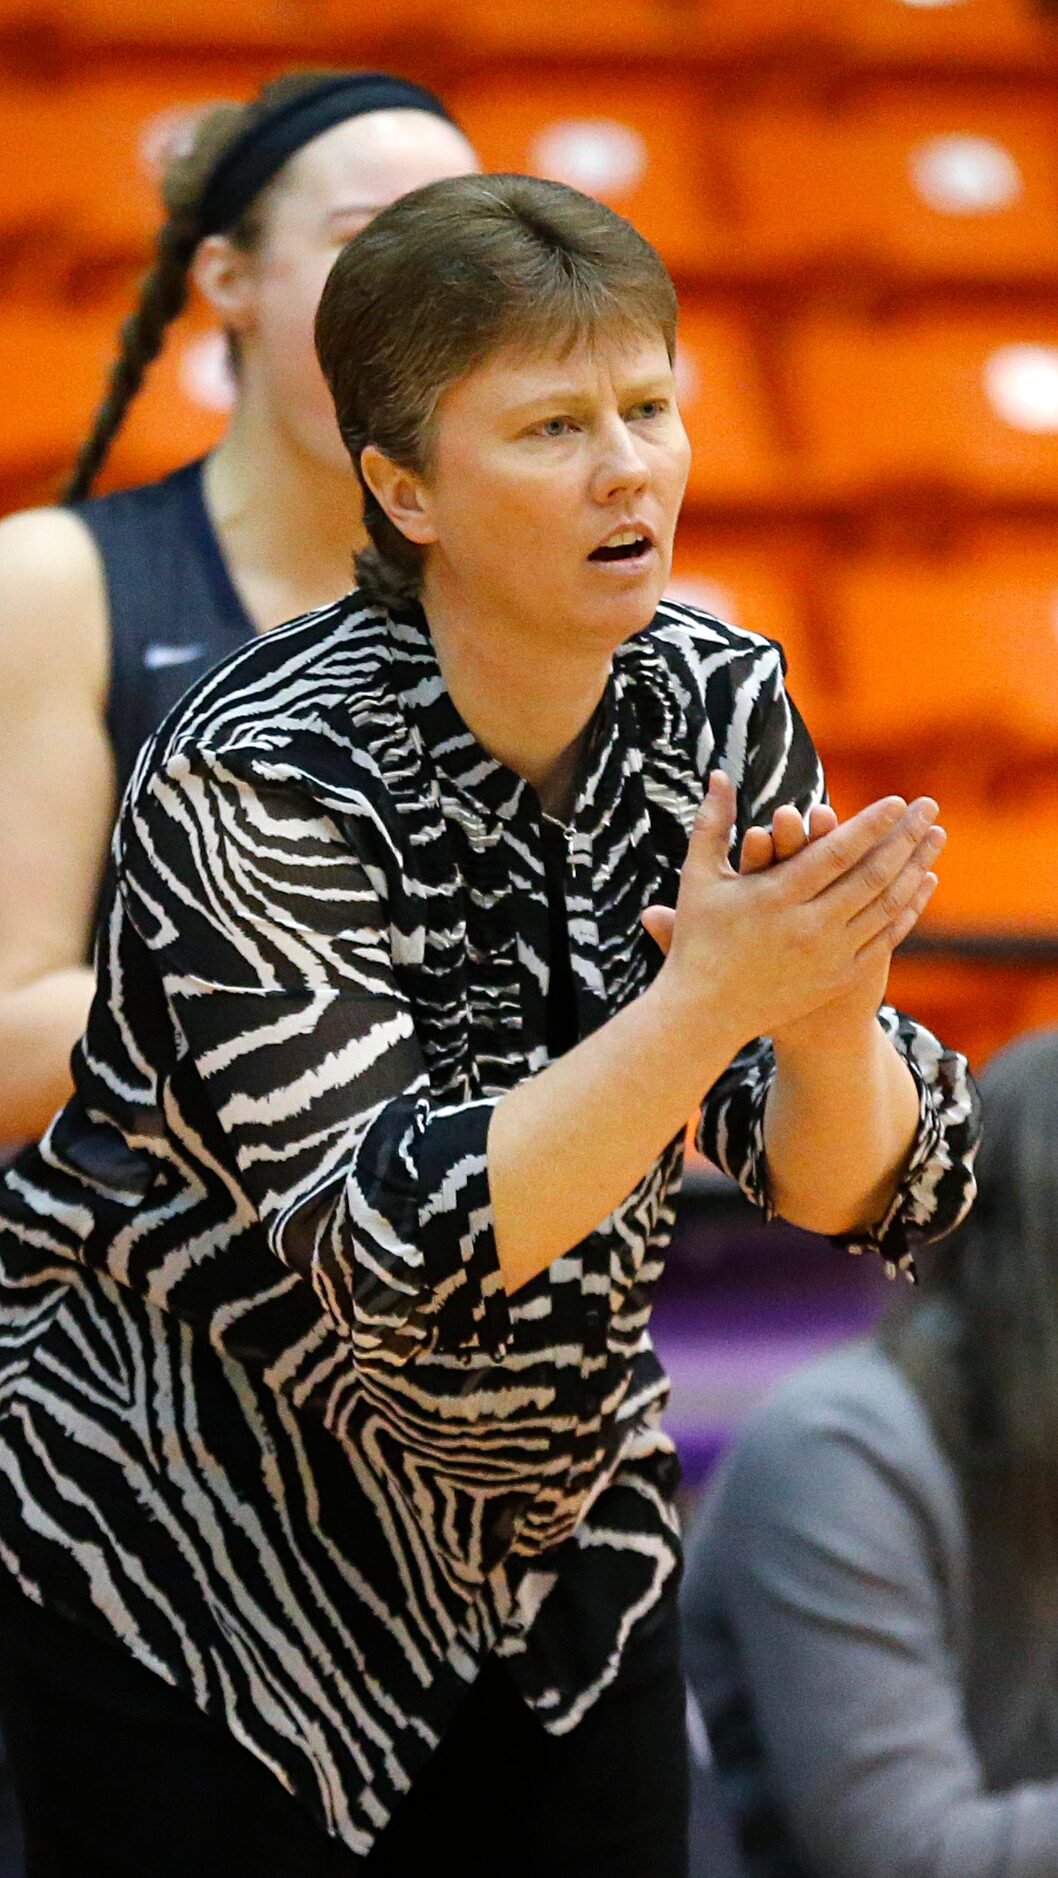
point(571, 396)
point(565, 395)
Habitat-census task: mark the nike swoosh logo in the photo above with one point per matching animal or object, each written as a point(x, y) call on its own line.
point(156, 657)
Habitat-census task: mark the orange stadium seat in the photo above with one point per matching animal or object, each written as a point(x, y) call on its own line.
point(927, 188)
point(975, 34)
point(736, 460)
point(135, 122)
point(602, 28)
point(53, 370)
point(51, 373)
point(748, 586)
point(997, 873)
point(301, 28)
point(1041, 1000)
point(732, 27)
point(968, 35)
point(39, 173)
point(188, 23)
point(728, 31)
point(637, 145)
point(950, 656)
point(86, 155)
point(976, 1006)
point(965, 402)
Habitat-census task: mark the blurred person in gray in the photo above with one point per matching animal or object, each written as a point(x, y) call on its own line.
point(871, 1601)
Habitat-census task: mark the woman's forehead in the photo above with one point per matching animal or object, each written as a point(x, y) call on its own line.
point(371, 160)
point(585, 364)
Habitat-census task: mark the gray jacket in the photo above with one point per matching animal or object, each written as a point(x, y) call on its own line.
point(871, 1714)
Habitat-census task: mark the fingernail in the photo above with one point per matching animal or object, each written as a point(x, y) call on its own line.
point(928, 810)
point(935, 839)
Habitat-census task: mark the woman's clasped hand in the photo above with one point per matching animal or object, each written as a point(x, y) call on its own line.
point(810, 917)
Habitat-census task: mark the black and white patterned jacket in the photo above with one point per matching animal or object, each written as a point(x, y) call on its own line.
point(267, 1415)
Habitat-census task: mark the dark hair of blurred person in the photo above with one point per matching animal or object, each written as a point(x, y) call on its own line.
point(978, 1341)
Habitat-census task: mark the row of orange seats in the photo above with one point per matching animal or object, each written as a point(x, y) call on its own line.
point(850, 412)
point(975, 1007)
point(913, 671)
point(997, 875)
point(896, 653)
point(907, 187)
point(958, 34)
point(890, 653)
point(918, 187)
point(828, 412)
point(919, 673)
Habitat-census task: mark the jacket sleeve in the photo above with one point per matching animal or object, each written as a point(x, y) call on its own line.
point(273, 941)
point(779, 765)
point(824, 1559)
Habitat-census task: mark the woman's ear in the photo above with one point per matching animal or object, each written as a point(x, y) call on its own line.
point(224, 275)
point(401, 494)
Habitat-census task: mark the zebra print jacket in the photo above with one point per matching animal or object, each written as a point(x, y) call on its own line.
point(267, 1415)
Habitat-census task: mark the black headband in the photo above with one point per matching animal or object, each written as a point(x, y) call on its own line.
point(260, 151)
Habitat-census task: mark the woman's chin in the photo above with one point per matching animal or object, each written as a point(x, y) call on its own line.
point(632, 611)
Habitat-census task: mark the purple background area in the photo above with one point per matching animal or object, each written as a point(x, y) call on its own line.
point(741, 1304)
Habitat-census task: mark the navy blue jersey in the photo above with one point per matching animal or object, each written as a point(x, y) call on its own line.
point(173, 609)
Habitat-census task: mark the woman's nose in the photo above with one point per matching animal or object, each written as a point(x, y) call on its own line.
point(620, 464)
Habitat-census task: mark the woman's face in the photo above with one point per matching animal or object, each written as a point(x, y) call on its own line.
point(329, 191)
point(553, 490)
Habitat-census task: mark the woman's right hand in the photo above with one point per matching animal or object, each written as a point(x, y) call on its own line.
point(758, 951)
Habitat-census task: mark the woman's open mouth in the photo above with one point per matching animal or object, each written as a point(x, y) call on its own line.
point(625, 545)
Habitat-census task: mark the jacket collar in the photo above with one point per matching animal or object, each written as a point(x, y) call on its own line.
point(483, 785)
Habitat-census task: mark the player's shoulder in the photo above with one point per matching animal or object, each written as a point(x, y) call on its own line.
point(293, 707)
point(49, 550)
point(53, 604)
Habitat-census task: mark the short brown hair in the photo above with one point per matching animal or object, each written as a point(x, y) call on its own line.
point(439, 281)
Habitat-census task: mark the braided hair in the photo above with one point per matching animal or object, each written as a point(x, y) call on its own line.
point(164, 292)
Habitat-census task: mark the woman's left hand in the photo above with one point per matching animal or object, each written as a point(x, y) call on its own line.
point(763, 848)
